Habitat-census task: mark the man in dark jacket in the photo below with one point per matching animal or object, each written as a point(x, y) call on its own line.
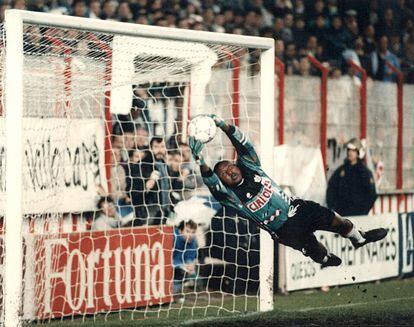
point(351, 189)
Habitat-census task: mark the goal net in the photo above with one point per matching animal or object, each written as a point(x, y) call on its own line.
point(104, 210)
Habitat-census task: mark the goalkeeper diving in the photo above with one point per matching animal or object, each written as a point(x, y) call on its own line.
point(245, 187)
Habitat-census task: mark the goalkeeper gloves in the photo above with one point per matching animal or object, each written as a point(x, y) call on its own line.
point(219, 121)
point(196, 147)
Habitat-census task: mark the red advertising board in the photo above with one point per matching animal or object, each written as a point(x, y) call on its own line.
point(92, 272)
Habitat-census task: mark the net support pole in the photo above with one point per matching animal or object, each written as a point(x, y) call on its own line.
point(400, 111)
point(14, 176)
point(281, 98)
point(324, 103)
point(362, 98)
point(267, 131)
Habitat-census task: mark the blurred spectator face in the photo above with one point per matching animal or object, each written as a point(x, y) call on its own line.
point(319, 5)
point(156, 5)
point(359, 43)
point(352, 155)
point(383, 44)
point(137, 156)
point(351, 24)
point(278, 25)
point(161, 22)
point(109, 8)
point(337, 22)
point(370, 31)
point(304, 66)
point(228, 15)
point(124, 11)
point(239, 19)
point(312, 43)
point(251, 18)
point(183, 23)
point(291, 50)
point(208, 16)
point(300, 24)
point(108, 209)
point(95, 8)
point(320, 21)
point(142, 19)
point(238, 31)
point(141, 137)
point(79, 9)
point(116, 156)
point(219, 20)
point(117, 142)
point(336, 73)
point(129, 140)
point(188, 233)
point(198, 27)
point(171, 20)
point(174, 161)
point(279, 48)
point(388, 15)
point(185, 152)
point(288, 21)
point(159, 150)
point(19, 4)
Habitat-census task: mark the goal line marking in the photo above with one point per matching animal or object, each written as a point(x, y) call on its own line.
point(252, 314)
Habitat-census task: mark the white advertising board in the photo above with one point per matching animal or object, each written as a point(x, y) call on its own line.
point(371, 262)
point(63, 163)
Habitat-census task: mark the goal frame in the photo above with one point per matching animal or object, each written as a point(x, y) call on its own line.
point(14, 20)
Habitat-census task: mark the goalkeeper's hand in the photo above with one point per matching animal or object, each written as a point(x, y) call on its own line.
point(218, 120)
point(196, 147)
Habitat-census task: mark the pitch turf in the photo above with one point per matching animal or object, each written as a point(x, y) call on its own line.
point(389, 303)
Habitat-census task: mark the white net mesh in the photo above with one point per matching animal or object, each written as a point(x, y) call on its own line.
point(103, 203)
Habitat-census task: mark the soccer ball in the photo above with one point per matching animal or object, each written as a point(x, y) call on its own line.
point(202, 128)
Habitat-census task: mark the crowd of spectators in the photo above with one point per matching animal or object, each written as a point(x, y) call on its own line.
point(370, 32)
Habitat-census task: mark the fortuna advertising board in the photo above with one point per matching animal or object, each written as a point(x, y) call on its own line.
point(101, 271)
point(371, 262)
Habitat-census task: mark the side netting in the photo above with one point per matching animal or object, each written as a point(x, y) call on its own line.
point(116, 217)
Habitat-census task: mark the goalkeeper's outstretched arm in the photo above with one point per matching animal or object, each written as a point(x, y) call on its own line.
point(240, 141)
point(216, 187)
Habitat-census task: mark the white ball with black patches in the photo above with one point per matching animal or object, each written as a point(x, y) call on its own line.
point(202, 128)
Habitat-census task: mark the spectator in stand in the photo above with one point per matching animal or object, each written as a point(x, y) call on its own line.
point(351, 28)
point(380, 71)
point(312, 45)
point(369, 39)
point(79, 8)
point(291, 60)
point(351, 189)
point(252, 22)
point(279, 49)
point(124, 13)
point(108, 218)
point(158, 186)
point(278, 26)
point(182, 179)
point(136, 186)
point(315, 11)
point(318, 28)
point(335, 39)
point(281, 7)
point(218, 25)
point(299, 8)
point(304, 68)
point(358, 56)
point(287, 32)
point(19, 4)
point(409, 56)
point(118, 184)
point(184, 254)
point(395, 45)
point(387, 26)
point(109, 10)
point(300, 34)
point(94, 9)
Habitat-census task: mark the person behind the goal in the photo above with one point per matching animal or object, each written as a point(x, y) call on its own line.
point(245, 187)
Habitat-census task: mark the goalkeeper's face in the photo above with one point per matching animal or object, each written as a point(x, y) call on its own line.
point(229, 173)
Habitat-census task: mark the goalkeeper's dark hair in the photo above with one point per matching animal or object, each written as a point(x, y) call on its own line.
point(218, 164)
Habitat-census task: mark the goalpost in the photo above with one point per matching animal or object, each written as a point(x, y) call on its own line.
point(65, 82)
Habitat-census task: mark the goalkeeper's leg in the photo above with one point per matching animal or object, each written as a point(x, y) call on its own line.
point(318, 253)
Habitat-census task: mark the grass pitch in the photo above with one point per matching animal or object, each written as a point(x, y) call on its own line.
point(388, 303)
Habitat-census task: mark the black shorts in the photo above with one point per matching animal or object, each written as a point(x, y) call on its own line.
point(297, 231)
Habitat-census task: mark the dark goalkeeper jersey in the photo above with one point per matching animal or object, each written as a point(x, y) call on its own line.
point(258, 197)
